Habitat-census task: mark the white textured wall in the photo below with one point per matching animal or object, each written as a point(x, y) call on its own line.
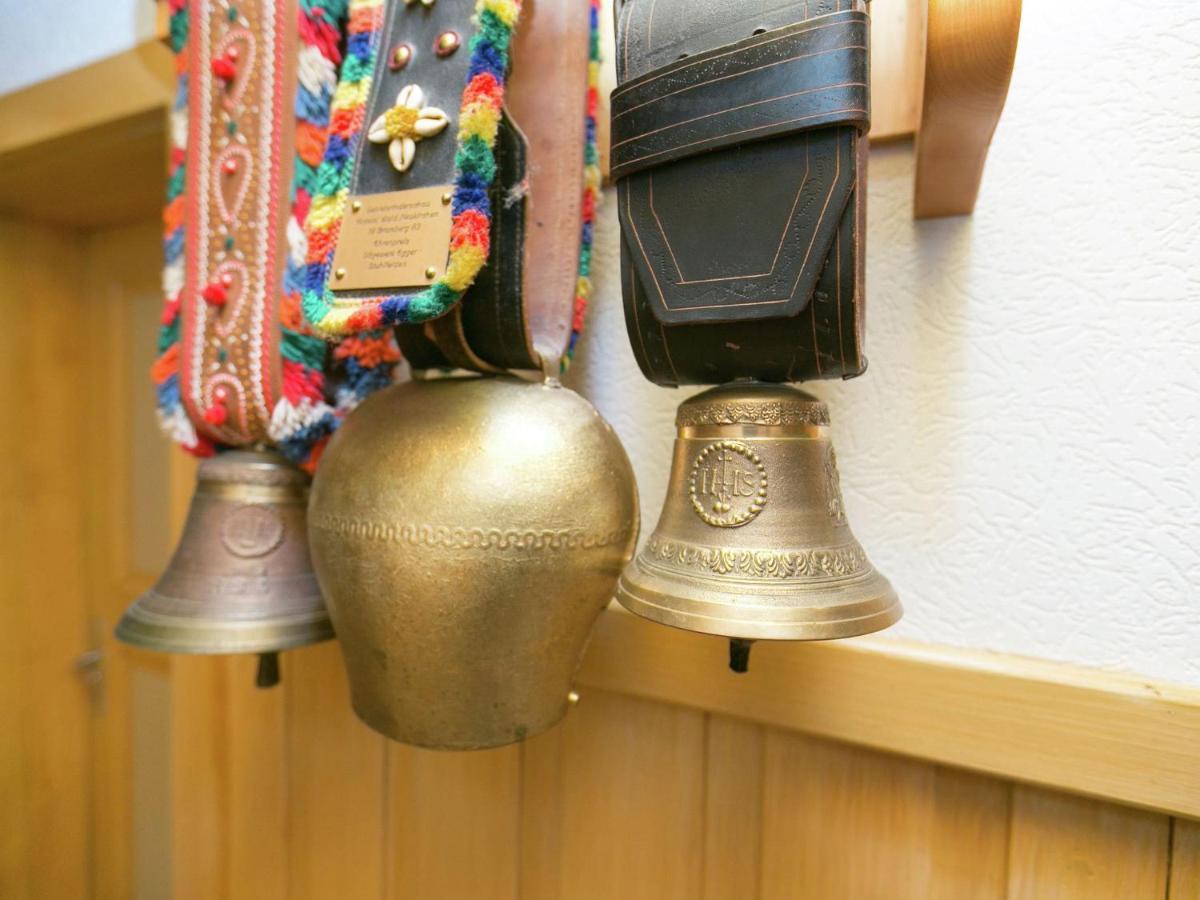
point(43, 38)
point(1022, 459)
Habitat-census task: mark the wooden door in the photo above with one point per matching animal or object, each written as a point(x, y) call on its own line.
point(85, 523)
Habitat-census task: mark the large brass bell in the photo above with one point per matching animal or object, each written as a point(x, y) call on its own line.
point(467, 532)
point(753, 541)
point(241, 580)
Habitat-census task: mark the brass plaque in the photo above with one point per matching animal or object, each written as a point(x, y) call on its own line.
point(394, 240)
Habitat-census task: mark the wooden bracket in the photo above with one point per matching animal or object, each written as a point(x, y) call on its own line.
point(939, 72)
point(969, 50)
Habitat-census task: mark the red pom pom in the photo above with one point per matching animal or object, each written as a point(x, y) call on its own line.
point(224, 68)
point(215, 415)
point(214, 293)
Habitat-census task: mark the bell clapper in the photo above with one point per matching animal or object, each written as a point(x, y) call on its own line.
point(739, 654)
point(268, 670)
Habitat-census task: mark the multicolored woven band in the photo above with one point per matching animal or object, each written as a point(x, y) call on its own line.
point(307, 409)
point(591, 185)
point(475, 165)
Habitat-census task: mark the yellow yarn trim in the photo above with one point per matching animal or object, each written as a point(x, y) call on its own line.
point(505, 10)
point(483, 121)
point(326, 210)
point(465, 263)
point(348, 95)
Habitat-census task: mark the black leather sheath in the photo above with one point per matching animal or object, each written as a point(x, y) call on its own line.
point(739, 152)
point(491, 313)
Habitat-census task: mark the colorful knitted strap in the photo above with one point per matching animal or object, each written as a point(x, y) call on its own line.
point(475, 169)
point(165, 372)
point(591, 185)
point(302, 419)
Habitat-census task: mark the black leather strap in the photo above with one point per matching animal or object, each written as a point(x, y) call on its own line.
point(744, 260)
point(491, 312)
point(803, 76)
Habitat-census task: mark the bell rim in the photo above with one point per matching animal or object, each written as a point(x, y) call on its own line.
point(150, 631)
point(880, 609)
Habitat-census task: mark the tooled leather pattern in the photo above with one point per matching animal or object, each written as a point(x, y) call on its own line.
point(806, 75)
point(744, 261)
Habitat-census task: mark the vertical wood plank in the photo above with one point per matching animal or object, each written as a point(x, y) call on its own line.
point(257, 824)
point(839, 821)
point(633, 800)
point(199, 779)
point(454, 823)
point(970, 836)
point(733, 808)
point(897, 54)
point(336, 785)
point(1073, 848)
point(45, 746)
point(122, 272)
point(1185, 860)
point(540, 869)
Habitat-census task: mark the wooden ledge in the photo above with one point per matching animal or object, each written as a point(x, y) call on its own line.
point(969, 51)
point(1075, 729)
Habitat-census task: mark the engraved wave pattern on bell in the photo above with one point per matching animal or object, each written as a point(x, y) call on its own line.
point(457, 537)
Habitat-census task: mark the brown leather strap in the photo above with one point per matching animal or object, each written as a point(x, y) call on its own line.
point(546, 101)
point(807, 75)
point(448, 335)
point(547, 98)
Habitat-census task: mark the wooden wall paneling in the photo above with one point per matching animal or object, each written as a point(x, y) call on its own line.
point(257, 823)
point(632, 817)
point(841, 821)
point(122, 275)
point(45, 744)
point(897, 53)
point(1185, 860)
point(199, 778)
point(15, 837)
point(1113, 736)
point(228, 783)
point(733, 801)
point(336, 786)
point(1074, 848)
point(453, 823)
point(969, 852)
point(540, 866)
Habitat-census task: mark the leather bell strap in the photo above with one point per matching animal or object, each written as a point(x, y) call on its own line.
point(529, 315)
point(237, 365)
point(511, 288)
point(738, 149)
point(811, 74)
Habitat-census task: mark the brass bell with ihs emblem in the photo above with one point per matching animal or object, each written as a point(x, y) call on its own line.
point(743, 229)
point(753, 541)
point(241, 579)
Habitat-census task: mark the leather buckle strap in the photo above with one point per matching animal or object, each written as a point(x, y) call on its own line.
point(808, 75)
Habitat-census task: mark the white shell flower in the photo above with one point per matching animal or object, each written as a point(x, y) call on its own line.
point(406, 123)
